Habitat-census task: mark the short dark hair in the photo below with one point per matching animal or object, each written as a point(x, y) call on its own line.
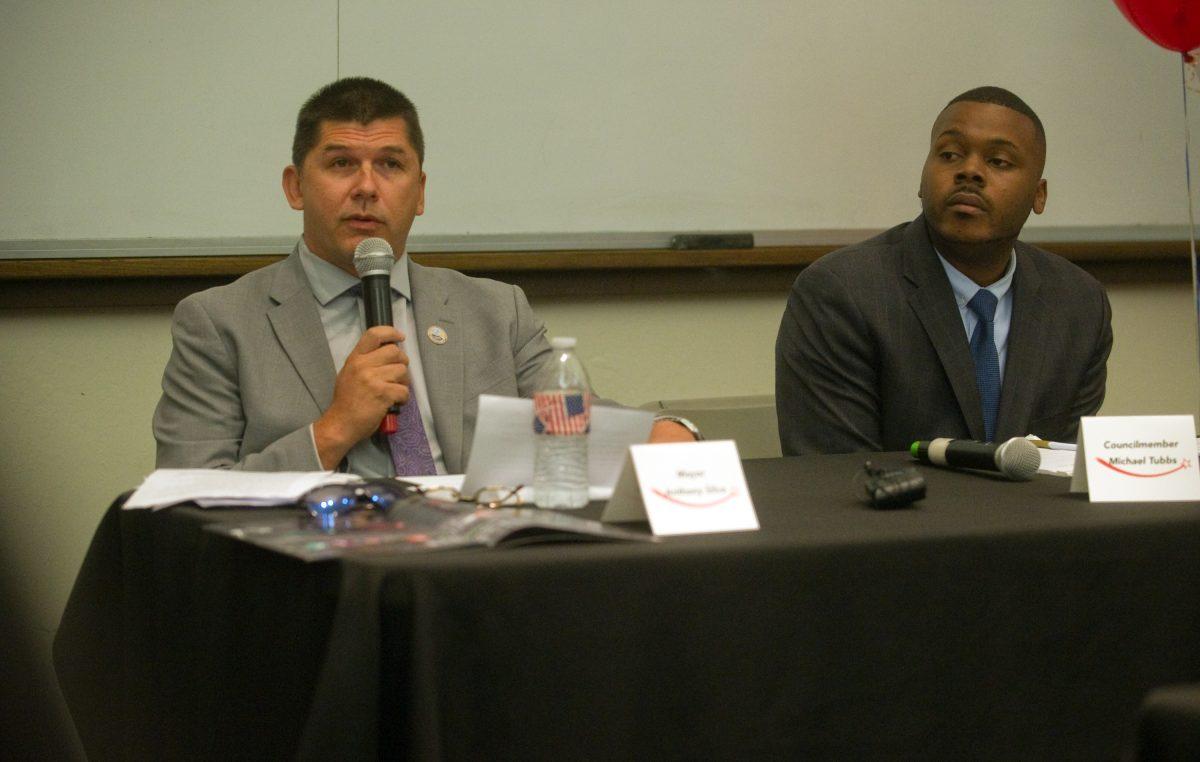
point(354, 99)
point(998, 96)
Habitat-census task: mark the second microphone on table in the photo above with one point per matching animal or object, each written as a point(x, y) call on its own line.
point(1018, 459)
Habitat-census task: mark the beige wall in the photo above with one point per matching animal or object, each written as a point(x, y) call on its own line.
point(79, 387)
point(1153, 368)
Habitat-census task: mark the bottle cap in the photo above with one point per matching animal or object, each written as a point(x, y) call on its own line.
point(563, 342)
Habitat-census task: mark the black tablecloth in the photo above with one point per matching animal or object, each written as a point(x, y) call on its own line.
point(994, 620)
point(1169, 730)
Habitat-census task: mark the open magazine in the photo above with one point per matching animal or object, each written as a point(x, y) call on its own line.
point(419, 523)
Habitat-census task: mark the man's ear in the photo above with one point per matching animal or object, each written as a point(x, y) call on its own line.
point(1039, 197)
point(291, 187)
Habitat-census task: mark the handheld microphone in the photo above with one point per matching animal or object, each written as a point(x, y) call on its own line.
point(1018, 459)
point(373, 260)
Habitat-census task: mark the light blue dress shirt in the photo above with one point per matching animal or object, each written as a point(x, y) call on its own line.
point(342, 315)
point(964, 289)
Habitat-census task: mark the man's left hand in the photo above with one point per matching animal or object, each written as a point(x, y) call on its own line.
point(669, 431)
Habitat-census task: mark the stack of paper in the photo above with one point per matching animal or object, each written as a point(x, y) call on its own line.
point(1058, 462)
point(1058, 458)
point(208, 487)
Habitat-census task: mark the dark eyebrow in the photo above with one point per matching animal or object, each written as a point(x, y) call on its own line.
point(952, 133)
point(333, 147)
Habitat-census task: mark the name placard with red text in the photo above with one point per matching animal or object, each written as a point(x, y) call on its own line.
point(1137, 458)
point(685, 488)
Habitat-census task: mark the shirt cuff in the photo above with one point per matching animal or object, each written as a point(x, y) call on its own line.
point(312, 438)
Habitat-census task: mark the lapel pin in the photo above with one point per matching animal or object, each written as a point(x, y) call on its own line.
point(437, 334)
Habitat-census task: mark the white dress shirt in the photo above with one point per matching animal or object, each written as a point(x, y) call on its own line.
point(965, 290)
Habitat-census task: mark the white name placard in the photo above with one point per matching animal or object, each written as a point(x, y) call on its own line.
point(685, 488)
point(1137, 458)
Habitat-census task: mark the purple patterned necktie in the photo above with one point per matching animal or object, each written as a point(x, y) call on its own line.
point(410, 446)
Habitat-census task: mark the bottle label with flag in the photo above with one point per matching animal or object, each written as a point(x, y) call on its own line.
point(561, 413)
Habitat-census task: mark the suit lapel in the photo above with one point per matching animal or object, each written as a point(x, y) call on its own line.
point(932, 299)
point(442, 364)
point(297, 326)
point(1025, 353)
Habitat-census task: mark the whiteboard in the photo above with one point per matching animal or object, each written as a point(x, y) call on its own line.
point(172, 121)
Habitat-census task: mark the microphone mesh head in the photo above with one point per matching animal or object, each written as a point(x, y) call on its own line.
point(1018, 459)
point(373, 256)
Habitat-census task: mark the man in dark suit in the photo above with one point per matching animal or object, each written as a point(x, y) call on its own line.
point(947, 326)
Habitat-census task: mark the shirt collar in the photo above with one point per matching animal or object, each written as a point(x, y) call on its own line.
point(965, 288)
point(329, 282)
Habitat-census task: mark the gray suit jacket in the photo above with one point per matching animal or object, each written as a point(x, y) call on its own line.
point(250, 368)
point(872, 355)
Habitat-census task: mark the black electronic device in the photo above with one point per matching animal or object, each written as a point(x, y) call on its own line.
point(889, 488)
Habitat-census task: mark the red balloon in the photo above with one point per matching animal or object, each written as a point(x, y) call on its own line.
point(1174, 24)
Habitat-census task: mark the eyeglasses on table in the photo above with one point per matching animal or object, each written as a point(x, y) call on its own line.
point(330, 503)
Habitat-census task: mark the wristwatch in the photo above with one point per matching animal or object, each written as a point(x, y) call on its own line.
point(691, 427)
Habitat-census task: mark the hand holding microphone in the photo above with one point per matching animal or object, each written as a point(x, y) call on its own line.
point(1017, 459)
point(373, 260)
point(374, 380)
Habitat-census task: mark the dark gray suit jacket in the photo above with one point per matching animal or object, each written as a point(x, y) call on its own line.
point(250, 366)
point(872, 355)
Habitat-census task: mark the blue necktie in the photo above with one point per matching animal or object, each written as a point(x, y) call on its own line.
point(987, 359)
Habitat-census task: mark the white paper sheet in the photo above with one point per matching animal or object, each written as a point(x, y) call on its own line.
point(503, 451)
point(211, 486)
point(1058, 458)
point(1057, 462)
point(453, 481)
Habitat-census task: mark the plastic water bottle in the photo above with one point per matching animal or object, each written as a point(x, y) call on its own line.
point(561, 421)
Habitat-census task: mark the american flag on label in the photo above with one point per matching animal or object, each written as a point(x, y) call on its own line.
point(561, 413)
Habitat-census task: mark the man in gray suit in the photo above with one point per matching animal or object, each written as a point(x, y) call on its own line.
point(947, 326)
point(275, 371)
